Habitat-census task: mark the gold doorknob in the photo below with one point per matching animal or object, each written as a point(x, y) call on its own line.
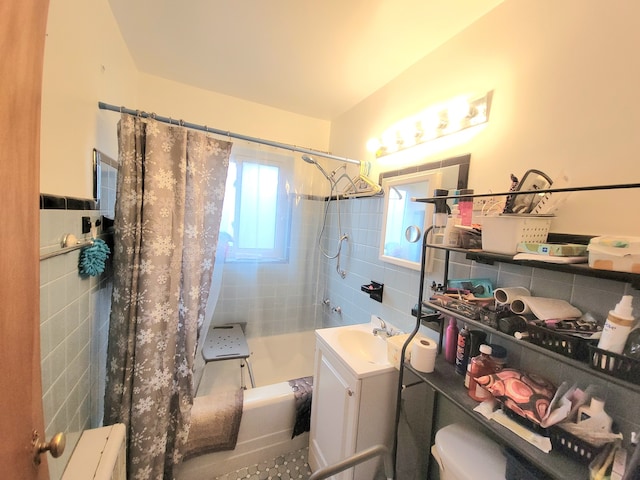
point(55, 446)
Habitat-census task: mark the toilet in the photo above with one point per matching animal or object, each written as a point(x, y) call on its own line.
point(463, 453)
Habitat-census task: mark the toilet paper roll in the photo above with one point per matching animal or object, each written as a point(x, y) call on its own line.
point(508, 294)
point(423, 355)
point(520, 306)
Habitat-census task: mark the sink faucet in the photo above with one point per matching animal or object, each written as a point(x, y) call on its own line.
point(383, 329)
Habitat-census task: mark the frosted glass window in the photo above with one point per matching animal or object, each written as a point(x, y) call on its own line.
point(256, 214)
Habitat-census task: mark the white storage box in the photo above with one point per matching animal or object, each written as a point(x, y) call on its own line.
point(621, 254)
point(503, 233)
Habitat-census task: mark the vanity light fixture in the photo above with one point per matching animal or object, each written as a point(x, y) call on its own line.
point(434, 122)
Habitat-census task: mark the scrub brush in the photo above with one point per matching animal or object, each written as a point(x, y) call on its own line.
point(92, 258)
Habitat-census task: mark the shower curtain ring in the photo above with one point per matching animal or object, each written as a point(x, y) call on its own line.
point(181, 122)
point(121, 108)
point(153, 115)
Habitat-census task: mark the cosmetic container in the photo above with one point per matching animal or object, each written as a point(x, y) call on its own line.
point(466, 207)
point(617, 327)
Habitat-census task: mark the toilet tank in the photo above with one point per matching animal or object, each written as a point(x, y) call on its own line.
point(464, 453)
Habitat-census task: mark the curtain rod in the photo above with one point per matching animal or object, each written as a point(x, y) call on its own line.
point(204, 128)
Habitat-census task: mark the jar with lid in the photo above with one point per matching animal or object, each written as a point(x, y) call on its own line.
point(498, 356)
point(479, 366)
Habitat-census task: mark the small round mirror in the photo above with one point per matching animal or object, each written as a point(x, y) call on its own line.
point(412, 233)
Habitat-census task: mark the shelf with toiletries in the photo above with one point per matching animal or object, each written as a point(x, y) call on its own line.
point(489, 258)
point(585, 367)
point(450, 385)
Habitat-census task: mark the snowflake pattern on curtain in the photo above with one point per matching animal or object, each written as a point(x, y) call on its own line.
point(170, 189)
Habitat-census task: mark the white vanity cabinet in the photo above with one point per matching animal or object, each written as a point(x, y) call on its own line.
point(352, 409)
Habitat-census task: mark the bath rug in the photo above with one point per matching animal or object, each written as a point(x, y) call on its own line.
point(215, 421)
point(302, 390)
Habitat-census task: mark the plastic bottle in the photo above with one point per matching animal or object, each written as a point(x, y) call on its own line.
point(452, 234)
point(451, 341)
point(466, 207)
point(476, 338)
point(462, 351)
point(617, 327)
point(479, 366)
point(595, 412)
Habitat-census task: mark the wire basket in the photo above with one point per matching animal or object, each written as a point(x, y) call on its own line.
point(567, 345)
point(572, 446)
point(502, 233)
point(614, 364)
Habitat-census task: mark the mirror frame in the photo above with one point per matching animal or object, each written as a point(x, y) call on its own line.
point(427, 171)
point(408, 183)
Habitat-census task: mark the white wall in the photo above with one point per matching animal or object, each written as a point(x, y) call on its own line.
point(565, 80)
point(86, 61)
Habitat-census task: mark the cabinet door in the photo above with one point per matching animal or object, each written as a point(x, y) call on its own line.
point(334, 416)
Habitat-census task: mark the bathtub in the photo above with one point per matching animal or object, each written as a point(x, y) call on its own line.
point(268, 412)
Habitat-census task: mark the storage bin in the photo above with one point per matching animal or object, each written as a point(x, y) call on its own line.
point(567, 345)
point(503, 233)
point(621, 254)
point(572, 446)
point(615, 364)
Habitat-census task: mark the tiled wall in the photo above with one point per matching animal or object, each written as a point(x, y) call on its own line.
point(275, 298)
point(361, 220)
point(74, 313)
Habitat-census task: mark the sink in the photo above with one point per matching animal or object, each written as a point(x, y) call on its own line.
point(364, 344)
point(359, 349)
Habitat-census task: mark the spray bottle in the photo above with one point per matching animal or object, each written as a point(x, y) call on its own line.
point(440, 215)
point(617, 327)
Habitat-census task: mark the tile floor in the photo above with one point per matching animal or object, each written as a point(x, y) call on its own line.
point(292, 466)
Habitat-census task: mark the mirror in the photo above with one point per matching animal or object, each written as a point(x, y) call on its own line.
point(105, 174)
point(404, 221)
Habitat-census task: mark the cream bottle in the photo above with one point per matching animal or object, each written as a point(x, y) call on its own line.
point(617, 327)
point(595, 415)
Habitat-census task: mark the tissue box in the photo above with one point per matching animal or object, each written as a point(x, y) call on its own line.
point(621, 254)
point(394, 348)
point(553, 249)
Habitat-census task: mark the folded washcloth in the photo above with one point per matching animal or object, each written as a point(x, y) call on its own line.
point(92, 258)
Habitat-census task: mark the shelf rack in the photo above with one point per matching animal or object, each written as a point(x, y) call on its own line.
point(444, 376)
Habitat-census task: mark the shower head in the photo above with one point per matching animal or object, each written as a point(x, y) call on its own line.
point(313, 161)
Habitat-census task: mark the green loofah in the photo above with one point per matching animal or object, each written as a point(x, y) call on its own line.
point(92, 258)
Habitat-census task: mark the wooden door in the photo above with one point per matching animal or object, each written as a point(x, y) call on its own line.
point(22, 33)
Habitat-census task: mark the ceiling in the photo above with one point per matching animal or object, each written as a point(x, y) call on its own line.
point(315, 58)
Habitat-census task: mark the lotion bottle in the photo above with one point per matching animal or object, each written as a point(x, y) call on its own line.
point(617, 327)
point(451, 341)
point(595, 414)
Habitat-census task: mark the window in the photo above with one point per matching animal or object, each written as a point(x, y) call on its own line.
point(256, 214)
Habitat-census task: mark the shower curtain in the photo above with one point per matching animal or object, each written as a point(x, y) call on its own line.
point(171, 184)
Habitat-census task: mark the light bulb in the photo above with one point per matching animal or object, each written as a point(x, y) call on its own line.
point(373, 145)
